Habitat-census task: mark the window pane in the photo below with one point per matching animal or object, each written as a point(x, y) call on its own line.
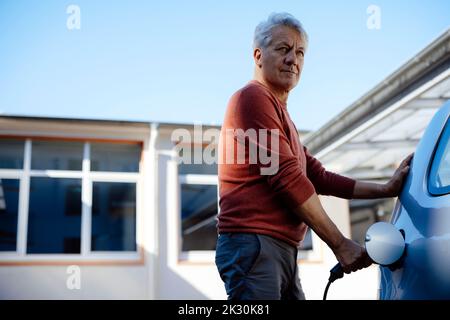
point(9, 204)
point(54, 220)
point(198, 215)
point(188, 166)
point(439, 182)
point(56, 155)
point(307, 243)
point(113, 216)
point(115, 157)
point(11, 154)
point(443, 173)
point(444, 168)
point(197, 169)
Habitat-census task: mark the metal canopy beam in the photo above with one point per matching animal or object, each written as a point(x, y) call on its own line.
point(388, 144)
point(425, 103)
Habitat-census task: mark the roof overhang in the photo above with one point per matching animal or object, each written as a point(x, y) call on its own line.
point(370, 137)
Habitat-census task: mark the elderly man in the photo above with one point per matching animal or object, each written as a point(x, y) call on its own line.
point(264, 217)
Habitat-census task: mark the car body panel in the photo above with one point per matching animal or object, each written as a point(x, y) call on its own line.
point(424, 270)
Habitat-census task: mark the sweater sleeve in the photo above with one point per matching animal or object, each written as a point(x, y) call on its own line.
point(256, 109)
point(326, 182)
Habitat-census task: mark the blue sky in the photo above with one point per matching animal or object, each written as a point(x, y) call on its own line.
point(180, 61)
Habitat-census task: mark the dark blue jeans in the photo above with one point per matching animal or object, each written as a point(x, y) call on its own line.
point(258, 267)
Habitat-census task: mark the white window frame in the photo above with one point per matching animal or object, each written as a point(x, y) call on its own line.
point(201, 256)
point(87, 179)
point(196, 179)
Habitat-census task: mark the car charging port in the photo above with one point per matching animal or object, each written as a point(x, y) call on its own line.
point(399, 263)
point(385, 245)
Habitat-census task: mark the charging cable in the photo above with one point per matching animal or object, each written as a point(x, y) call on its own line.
point(336, 273)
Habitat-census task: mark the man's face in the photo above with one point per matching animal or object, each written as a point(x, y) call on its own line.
point(282, 61)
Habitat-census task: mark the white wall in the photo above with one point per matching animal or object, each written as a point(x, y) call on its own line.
point(50, 282)
point(314, 276)
point(179, 279)
point(164, 275)
point(200, 280)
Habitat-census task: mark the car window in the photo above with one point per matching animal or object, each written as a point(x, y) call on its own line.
point(439, 182)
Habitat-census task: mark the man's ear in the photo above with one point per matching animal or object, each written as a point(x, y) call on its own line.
point(257, 54)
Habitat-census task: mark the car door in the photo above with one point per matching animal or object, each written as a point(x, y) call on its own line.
point(422, 214)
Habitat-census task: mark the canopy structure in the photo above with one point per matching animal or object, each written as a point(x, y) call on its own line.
point(370, 138)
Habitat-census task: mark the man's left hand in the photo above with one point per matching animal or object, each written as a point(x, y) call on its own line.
point(394, 186)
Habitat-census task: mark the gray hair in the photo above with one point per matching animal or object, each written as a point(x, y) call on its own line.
point(263, 31)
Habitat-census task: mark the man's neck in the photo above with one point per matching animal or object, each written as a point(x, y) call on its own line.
point(282, 95)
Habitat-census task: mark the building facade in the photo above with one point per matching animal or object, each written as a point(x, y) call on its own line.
point(107, 210)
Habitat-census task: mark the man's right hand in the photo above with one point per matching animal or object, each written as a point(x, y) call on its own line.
point(352, 256)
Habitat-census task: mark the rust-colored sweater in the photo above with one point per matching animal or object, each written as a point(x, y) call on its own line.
point(263, 203)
